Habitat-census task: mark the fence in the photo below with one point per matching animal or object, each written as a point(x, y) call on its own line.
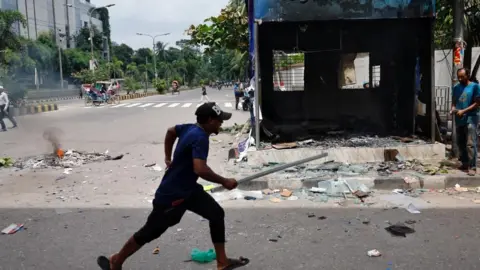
point(443, 99)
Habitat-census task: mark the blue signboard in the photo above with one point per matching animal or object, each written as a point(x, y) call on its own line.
point(320, 10)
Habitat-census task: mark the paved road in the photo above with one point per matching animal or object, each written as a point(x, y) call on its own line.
point(118, 128)
point(72, 219)
point(59, 239)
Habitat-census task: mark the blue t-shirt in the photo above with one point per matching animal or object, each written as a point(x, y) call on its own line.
point(464, 96)
point(180, 179)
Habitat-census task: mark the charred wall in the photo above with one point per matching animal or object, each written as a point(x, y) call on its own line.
point(388, 108)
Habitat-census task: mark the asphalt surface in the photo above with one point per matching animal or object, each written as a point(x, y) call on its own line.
point(60, 239)
point(71, 219)
point(108, 127)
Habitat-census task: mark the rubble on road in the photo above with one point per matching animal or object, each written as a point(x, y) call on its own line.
point(236, 128)
point(335, 140)
point(71, 159)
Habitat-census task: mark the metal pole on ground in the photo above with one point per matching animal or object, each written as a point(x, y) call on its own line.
point(457, 54)
point(257, 87)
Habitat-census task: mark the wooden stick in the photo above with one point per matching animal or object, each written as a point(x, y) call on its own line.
point(273, 170)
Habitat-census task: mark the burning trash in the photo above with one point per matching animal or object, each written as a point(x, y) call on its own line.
point(61, 159)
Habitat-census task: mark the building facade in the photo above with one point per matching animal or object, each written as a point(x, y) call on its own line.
point(65, 17)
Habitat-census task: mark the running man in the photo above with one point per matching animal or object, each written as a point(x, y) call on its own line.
point(179, 191)
point(204, 94)
point(5, 110)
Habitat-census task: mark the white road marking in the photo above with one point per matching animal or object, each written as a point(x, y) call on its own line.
point(186, 105)
point(120, 105)
point(198, 105)
point(228, 105)
point(160, 105)
point(146, 105)
point(133, 105)
point(173, 105)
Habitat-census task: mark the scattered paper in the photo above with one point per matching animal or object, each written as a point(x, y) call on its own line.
point(412, 209)
point(157, 168)
point(374, 253)
point(12, 228)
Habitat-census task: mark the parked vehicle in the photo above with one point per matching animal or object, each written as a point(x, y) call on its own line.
point(95, 95)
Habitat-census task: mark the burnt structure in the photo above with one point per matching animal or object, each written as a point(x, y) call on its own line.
point(328, 36)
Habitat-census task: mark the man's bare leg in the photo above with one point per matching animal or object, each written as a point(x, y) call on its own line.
point(117, 260)
point(222, 259)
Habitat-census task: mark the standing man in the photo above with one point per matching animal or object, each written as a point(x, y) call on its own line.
point(204, 94)
point(465, 102)
point(238, 93)
point(179, 190)
point(5, 110)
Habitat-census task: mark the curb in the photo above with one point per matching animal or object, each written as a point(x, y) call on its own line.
point(52, 100)
point(34, 109)
point(379, 183)
point(137, 95)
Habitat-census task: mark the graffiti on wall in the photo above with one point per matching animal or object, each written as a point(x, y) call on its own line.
point(315, 10)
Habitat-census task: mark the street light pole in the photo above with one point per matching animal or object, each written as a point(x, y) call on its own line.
point(154, 53)
point(91, 27)
point(457, 63)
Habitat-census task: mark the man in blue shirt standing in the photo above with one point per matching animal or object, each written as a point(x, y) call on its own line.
point(465, 103)
point(179, 190)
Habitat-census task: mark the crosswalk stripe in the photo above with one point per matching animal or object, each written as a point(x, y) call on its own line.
point(160, 105)
point(120, 105)
point(173, 105)
point(133, 105)
point(198, 105)
point(186, 105)
point(228, 105)
point(146, 105)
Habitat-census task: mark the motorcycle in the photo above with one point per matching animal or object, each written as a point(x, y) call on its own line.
point(247, 101)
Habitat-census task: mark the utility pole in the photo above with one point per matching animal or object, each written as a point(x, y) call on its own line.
point(60, 65)
point(67, 26)
point(146, 74)
point(457, 63)
point(154, 50)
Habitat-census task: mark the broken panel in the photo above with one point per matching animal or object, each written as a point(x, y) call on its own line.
point(289, 71)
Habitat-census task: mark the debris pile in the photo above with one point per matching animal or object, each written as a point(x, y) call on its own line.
point(70, 159)
point(352, 140)
point(236, 128)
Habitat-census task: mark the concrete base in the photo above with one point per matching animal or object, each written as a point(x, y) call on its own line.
point(380, 183)
point(426, 152)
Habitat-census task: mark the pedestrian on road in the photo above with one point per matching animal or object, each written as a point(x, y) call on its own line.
point(179, 190)
point(204, 94)
point(238, 93)
point(5, 110)
point(465, 103)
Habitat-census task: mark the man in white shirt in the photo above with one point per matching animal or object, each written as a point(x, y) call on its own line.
point(4, 110)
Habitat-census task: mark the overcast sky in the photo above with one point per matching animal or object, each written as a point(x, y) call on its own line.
point(155, 17)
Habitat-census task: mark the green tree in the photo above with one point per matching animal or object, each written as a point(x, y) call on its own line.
point(229, 30)
point(8, 38)
point(82, 39)
point(124, 53)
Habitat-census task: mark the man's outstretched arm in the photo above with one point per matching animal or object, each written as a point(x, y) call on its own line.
point(201, 169)
point(170, 138)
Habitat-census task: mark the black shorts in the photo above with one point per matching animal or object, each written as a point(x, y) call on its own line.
point(164, 216)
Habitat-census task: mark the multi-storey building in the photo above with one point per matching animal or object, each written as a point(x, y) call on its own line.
point(65, 17)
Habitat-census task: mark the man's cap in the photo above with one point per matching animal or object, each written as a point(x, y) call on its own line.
point(211, 109)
